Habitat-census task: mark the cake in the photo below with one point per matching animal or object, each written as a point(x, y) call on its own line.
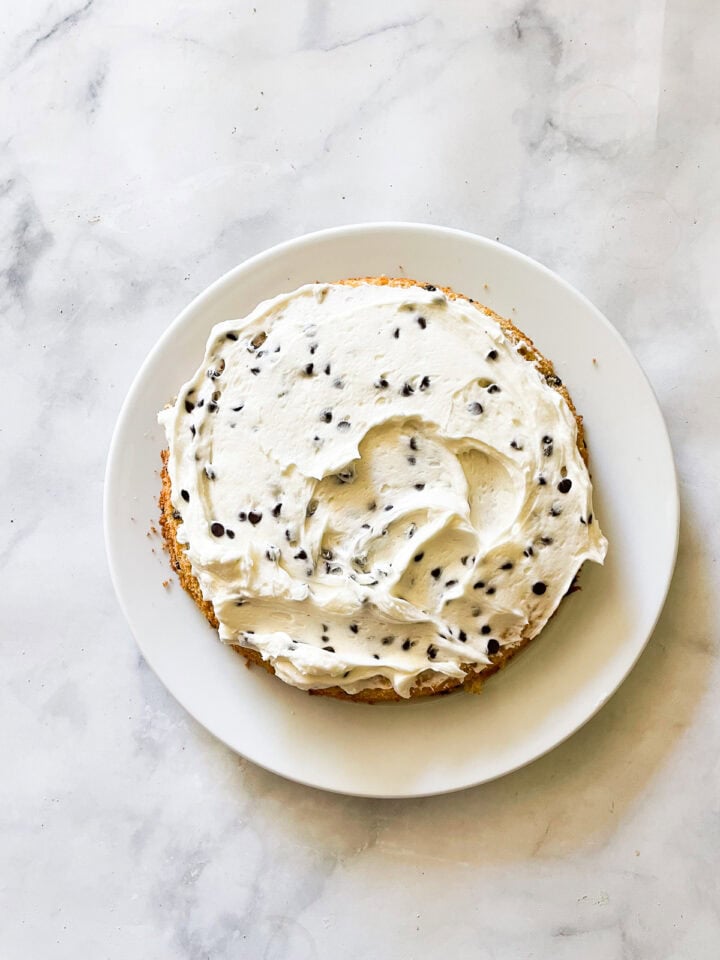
point(376, 489)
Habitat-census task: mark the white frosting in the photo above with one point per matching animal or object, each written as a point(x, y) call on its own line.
point(383, 473)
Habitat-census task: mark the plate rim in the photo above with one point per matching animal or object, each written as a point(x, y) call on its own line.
point(344, 231)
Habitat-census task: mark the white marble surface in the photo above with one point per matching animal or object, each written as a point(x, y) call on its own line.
point(148, 147)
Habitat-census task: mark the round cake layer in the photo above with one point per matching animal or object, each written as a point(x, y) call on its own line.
point(374, 489)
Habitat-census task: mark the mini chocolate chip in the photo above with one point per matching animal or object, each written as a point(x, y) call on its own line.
point(435, 572)
point(309, 367)
point(381, 384)
point(413, 443)
point(589, 518)
point(475, 408)
point(490, 591)
point(217, 529)
point(237, 409)
point(412, 461)
point(338, 384)
point(326, 416)
point(396, 332)
point(201, 403)
point(354, 627)
point(376, 656)
point(539, 588)
point(425, 383)
point(343, 425)
point(422, 322)
point(419, 486)
point(326, 371)
point(242, 516)
point(541, 481)
point(313, 348)
point(389, 507)
point(254, 517)
point(230, 534)
point(565, 485)
point(515, 445)
point(493, 388)
point(192, 429)
point(507, 566)
point(528, 552)
point(212, 406)
point(329, 649)
point(209, 472)
point(492, 646)
point(485, 629)
point(185, 495)
point(386, 641)
point(276, 509)
point(462, 637)
point(365, 526)
point(406, 644)
point(555, 511)
point(407, 389)
point(450, 583)
point(254, 371)
point(418, 557)
point(432, 651)
point(301, 555)
point(479, 585)
point(231, 336)
point(546, 540)
point(189, 406)
point(582, 520)
point(493, 355)
point(546, 439)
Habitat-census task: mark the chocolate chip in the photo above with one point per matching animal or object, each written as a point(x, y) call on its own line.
point(376, 656)
point(462, 637)
point(493, 388)
point(412, 461)
point(419, 486)
point(555, 510)
point(276, 509)
point(515, 445)
point(396, 332)
point(237, 409)
point(217, 529)
point(313, 348)
point(185, 495)
point(301, 555)
point(230, 534)
point(413, 443)
point(432, 651)
point(309, 367)
point(381, 384)
point(493, 355)
point(507, 566)
point(254, 517)
point(425, 383)
point(386, 641)
point(338, 384)
point(485, 629)
point(343, 425)
point(546, 541)
point(565, 485)
point(406, 644)
point(212, 406)
point(492, 646)
point(435, 572)
point(475, 408)
point(407, 389)
point(490, 591)
point(479, 585)
point(189, 406)
point(418, 557)
point(242, 516)
point(528, 552)
point(326, 371)
point(354, 627)
point(422, 322)
point(389, 507)
point(231, 336)
point(539, 588)
point(589, 518)
point(254, 371)
point(326, 416)
point(329, 649)
point(192, 429)
point(450, 583)
point(541, 481)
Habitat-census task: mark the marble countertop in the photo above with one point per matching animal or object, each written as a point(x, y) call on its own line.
point(149, 147)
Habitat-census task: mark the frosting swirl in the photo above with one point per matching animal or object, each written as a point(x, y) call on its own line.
point(376, 489)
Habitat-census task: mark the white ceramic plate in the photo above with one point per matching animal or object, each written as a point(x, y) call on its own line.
point(559, 682)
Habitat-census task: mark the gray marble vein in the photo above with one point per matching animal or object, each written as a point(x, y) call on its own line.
point(146, 149)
